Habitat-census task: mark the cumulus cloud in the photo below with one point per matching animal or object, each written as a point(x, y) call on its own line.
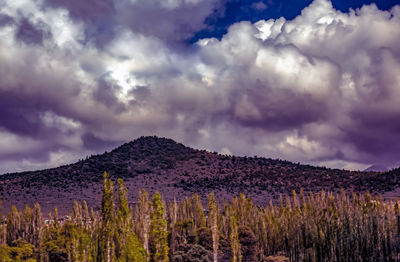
point(322, 88)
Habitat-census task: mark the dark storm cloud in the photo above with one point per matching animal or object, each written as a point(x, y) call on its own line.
point(90, 141)
point(106, 94)
point(28, 120)
point(30, 34)
point(6, 20)
point(277, 110)
point(12, 109)
point(171, 21)
point(375, 133)
point(89, 10)
point(97, 15)
point(321, 88)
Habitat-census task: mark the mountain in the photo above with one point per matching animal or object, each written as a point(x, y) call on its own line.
point(176, 171)
point(377, 168)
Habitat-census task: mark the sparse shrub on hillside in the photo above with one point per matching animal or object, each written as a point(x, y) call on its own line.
point(164, 163)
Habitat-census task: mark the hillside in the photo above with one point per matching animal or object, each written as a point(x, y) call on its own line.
point(177, 171)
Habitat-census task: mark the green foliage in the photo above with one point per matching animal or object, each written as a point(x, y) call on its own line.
point(158, 231)
point(142, 218)
point(21, 251)
point(192, 253)
point(134, 251)
point(128, 246)
point(213, 223)
point(72, 241)
point(55, 244)
point(302, 227)
point(5, 253)
point(107, 247)
point(198, 212)
point(234, 239)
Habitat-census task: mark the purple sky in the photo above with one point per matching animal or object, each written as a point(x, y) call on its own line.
point(80, 77)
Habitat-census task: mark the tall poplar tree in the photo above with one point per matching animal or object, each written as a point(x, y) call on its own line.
point(213, 223)
point(106, 250)
point(158, 231)
point(128, 247)
point(173, 217)
point(142, 218)
point(123, 220)
point(199, 217)
point(2, 226)
point(234, 239)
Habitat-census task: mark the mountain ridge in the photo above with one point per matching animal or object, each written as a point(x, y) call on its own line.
point(177, 171)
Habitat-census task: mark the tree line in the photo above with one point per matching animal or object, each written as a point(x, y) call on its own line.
point(302, 227)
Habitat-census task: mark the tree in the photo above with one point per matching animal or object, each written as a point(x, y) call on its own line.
point(55, 242)
point(234, 239)
point(248, 244)
point(106, 250)
point(13, 226)
point(2, 226)
point(123, 220)
point(198, 213)
point(142, 218)
point(22, 251)
point(158, 231)
point(127, 244)
point(192, 253)
point(213, 223)
point(173, 216)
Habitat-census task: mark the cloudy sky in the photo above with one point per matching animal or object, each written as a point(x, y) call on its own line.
point(309, 81)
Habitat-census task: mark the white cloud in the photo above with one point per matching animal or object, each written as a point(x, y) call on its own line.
point(225, 151)
point(259, 6)
point(11, 144)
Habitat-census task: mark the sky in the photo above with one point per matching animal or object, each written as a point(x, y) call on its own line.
point(315, 82)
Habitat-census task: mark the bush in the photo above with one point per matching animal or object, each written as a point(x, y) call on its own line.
point(192, 253)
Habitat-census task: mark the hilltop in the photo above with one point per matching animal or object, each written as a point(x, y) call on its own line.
point(161, 164)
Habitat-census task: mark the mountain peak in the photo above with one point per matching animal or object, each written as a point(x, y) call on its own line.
point(175, 170)
point(376, 168)
point(146, 146)
point(154, 139)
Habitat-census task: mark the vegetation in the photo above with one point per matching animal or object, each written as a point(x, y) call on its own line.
point(315, 227)
point(160, 164)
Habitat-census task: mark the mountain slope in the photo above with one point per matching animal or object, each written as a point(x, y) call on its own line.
point(377, 168)
point(177, 171)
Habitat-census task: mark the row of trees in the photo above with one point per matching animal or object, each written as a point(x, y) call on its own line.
point(304, 227)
